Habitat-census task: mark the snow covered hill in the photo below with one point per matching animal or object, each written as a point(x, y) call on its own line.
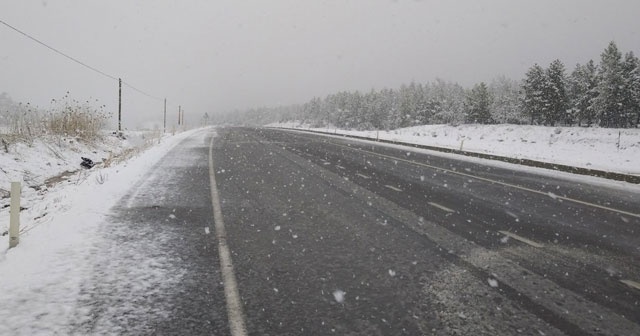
point(615, 150)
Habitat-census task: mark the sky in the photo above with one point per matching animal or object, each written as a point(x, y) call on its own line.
point(215, 56)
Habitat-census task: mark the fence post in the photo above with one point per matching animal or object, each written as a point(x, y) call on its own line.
point(14, 221)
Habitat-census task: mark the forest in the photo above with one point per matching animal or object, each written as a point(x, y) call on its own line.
point(604, 94)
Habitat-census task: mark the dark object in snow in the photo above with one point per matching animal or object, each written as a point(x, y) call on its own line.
point(119, 135)
point(87, 163)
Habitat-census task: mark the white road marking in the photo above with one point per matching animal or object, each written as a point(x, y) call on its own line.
point(206, 230)
point(393, 188)
point(363, 176)
point(569, 199)
point(234, 305)
point(631, 283)
point(522, 239)
point(441, 207)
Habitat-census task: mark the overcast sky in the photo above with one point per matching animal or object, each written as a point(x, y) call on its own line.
point(213, 55)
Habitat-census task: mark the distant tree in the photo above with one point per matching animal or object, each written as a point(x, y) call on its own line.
point(446, 101)
point(555, 91)
point(535, 102)
point(609, 102)
point(477, 105)
point(505, 105)
point(583, 82)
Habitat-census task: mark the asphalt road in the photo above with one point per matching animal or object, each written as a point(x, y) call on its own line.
point(329, 236)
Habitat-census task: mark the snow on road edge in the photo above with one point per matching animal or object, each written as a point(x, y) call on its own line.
point(40, 278)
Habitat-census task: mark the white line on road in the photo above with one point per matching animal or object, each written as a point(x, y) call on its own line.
point(393, 188)
point(564, 198)
point(631, 283)
point(363, 176)
point(522, 239)
point(232, 296)
point(441, 207)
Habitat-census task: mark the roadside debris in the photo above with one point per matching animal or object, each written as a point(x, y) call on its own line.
point(87, 163)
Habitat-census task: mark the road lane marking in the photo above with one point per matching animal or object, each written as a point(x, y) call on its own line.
point(393, 188)
point(234, 305)
point(564, 198)
point(631, 283)
point(532, 289)
point(363, 176)
point(522, 239)
point(206, 230)
point(441, 207)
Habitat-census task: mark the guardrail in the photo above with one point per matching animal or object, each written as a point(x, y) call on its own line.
point(525, 162)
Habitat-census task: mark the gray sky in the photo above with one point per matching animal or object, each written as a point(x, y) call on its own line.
point(213, 55)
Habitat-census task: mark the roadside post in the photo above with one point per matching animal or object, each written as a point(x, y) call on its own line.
point(14, 221)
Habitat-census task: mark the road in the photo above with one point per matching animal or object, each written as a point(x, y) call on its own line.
point(335, 236)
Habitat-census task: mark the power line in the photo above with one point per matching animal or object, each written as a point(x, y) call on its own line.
point(140, 91)
point(57, 51)
point(76, 60)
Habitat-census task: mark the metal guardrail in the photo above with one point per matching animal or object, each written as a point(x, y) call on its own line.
point(525, 162)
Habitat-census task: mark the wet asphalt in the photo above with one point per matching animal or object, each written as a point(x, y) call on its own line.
point(332, 236)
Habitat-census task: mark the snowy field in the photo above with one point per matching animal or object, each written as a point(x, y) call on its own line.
point(41, 277)
point(615, 150)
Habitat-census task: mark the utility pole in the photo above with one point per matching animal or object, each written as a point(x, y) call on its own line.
point(164, 123)
point(179, 114)
point(119, 105)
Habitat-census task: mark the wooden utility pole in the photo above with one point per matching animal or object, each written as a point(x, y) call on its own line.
point(179, 114)
point(164, 123)
point(119, 104)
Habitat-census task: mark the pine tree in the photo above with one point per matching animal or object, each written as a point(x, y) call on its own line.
point(556, 94)
point(582, 92)
point(505, 103)
point(477, 105)
point(631, 100)
point(535, 103)
point(609, 102)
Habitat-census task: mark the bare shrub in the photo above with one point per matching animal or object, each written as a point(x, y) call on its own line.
point(70, 117)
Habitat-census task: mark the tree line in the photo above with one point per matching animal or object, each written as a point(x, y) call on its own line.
point(605, 94)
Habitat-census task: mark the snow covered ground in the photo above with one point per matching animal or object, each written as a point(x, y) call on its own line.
point(615, 150)
point(40, 279)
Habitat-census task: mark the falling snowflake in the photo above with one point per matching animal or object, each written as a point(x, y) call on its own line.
point(277, 228)
point(392, 273)
point(339, 295)
point(492, 282)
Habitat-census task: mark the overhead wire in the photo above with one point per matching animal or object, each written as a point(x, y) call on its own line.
point(77, 61)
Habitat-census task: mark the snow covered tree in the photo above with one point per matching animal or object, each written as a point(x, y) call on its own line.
point(505, 105)
point(631, 98)
point(535, 102)
point(555, 92)
point(477, 105)
point(582, 92)
point(609, 102)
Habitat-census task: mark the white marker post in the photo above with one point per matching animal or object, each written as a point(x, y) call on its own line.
point(14, 221)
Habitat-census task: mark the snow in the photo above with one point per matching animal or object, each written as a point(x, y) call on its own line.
point(41, 278)
point(492, 282)
point(338, 295)
point(616, 150)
